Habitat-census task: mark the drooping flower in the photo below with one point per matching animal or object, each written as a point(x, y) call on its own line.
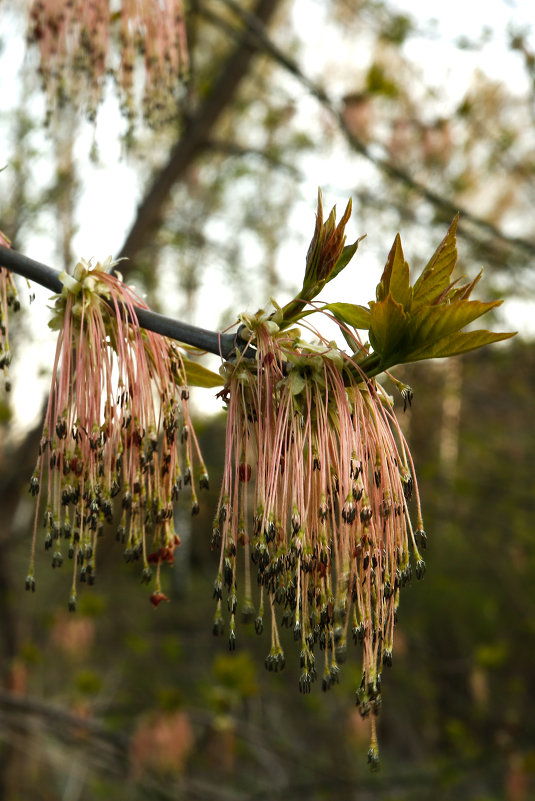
point(117, 434)
point(75, 43)
point(332, 476)
point(8, 300)
point(314, 434)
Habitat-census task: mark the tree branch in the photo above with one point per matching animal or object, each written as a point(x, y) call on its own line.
point(194, 138)
point(210, 341)
point(235, 149)
point(260, 38)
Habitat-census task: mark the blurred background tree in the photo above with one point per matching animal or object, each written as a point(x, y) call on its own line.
point(214, 208)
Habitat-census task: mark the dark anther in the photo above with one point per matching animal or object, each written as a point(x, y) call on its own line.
point(421, 538)
point(366, 514)
point(218, 627)
point(407, 394)
point(146, 575)
point(358, 633)
point(420, 569)
point(408, 485)
point(305, 682)
point(61, 428)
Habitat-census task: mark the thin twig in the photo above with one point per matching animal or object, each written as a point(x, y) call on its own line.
point(260, 39)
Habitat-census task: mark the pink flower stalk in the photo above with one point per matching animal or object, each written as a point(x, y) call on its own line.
point(331, 532)
point(117, 431)
point(8, 300)
point(75, 44)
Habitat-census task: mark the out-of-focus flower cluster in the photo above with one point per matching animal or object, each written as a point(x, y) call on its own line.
point(76, 41)
point(331, 479)
point(117, 440)
point(8, 300)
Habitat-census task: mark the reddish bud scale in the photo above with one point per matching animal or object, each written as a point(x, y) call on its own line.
point(157, 597)
point(244, 472)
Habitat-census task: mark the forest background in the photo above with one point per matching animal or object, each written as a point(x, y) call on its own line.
point(414, 119)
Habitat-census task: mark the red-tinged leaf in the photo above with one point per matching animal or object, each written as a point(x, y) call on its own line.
point(351, 314)
point(388, 330)
point(395, 279)
point(455, 344)
point(199, 376)
point(314, 249)
point(326, 249)
point(463, 292)
point(429, 324)
point(435, 277)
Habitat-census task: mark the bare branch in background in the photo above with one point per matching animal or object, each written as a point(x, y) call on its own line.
point(194, 138)
point(261, 40)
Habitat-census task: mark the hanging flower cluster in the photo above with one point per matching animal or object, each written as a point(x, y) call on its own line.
point(8, 300)
point(331, 534)
point(75, 44)
point(117, 439)
point(318, 478)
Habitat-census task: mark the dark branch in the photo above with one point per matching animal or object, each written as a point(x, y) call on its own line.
point(230, 148)
point(30, 269)
point(211, 341)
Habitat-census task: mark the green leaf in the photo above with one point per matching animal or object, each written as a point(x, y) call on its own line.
point(347, 254)
point(296, 382)
point(455, 344)
point(199, 376)
point(428, 324)
point(351, 314)
point(388, 330)
point(396, 279)
point(352, 342)
point(435, 278)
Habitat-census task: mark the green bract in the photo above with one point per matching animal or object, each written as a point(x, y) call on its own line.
point(407, 322)
point(424, 321)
